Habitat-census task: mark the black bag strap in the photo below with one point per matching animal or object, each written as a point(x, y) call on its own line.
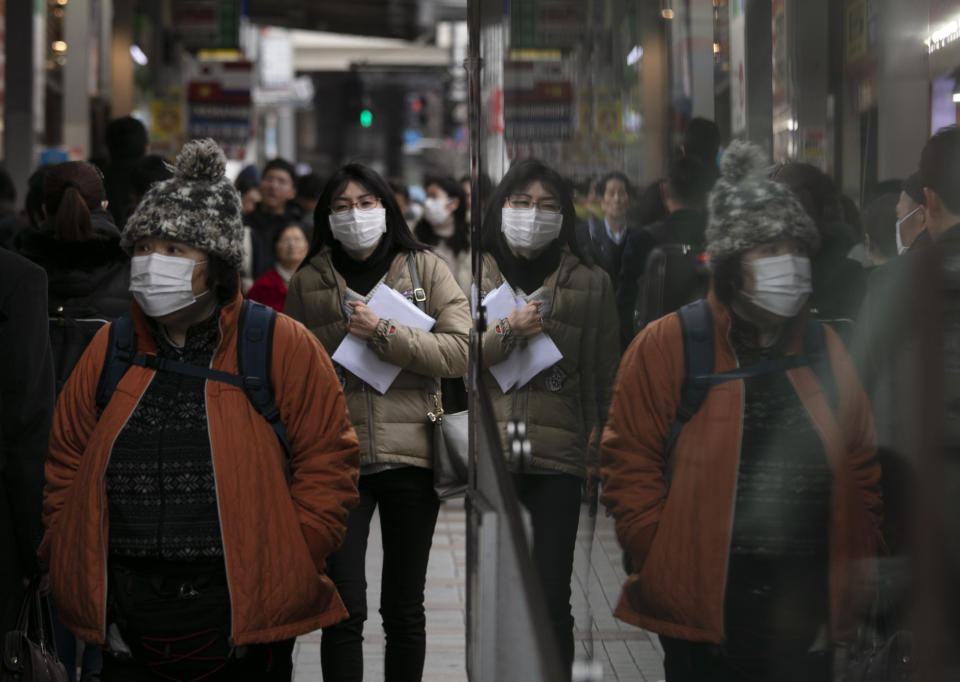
point(696, 323)
point(254, 350)
point(254, 347)
point(420, 297)
point(121, 348)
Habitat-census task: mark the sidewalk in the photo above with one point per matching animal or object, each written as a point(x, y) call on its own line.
point(626, 652)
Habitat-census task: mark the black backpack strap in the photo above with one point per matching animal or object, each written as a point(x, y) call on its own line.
point(121, 349)
point(815, 347)
point(254, 348)
point(696, 324)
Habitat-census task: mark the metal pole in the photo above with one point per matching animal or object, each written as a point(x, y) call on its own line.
point(19, 114)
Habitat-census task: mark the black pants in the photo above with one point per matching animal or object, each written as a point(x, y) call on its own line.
point(700, 662)
point(261, 662)
point(553, 501)
point(408, 516)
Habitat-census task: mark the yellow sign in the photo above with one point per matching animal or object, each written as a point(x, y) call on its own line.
point(856, 30)
point(166, 121)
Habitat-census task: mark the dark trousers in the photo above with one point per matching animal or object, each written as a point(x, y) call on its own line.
point(408, 516)
point(686, 661)
point(553, 501)
point(260, 663)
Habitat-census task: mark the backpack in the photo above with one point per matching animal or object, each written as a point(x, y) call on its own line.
point(70, 333)
point(673, 275)
point(696, 324)
point(254, 346)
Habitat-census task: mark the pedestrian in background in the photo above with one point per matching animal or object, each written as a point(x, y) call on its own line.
point(78, 245)
point(444, 227)
point(751, 535)
point(290, 247)
point(601, 237)
point(127, 142)
point(529, 242)
point(361, 243)
point(212, 560)
point(26, 408)
point(276, 210)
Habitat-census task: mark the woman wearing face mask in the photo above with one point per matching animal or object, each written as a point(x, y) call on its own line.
point(529, 244)
point(179, 533)
point(361, 243)
point(444, 227)
point(750, 524)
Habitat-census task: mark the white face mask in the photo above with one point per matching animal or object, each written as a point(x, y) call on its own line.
point(901, 247)
point(163, 284)
point(357, 230)
point(529, 231)
point(436, 213)
point(783, 284)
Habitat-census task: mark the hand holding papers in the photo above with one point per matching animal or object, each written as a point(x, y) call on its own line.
point(353, 353)
point(525, 362)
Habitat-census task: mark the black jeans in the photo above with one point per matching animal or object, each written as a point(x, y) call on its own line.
point(553, 501)
point(261, 662)
point(408, 516)
point(686, 661)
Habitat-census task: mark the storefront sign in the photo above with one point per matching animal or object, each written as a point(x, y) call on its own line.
point(219, 105)
point(948, 33)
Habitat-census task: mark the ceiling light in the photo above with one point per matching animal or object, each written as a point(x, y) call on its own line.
point(667, 13)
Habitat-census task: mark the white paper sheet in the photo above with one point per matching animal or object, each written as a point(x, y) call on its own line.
point(355, 356)
point(525, 362)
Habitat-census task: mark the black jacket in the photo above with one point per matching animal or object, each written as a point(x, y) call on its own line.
point(26, 412)
point(264, 227)
point(87, 278)
point(598, 248)
point(684, 226)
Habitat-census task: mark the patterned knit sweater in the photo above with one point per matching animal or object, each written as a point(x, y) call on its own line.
point(777, 589)
point(160, 480)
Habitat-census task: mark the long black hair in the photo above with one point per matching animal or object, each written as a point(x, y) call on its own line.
point(460, 241)
point(517, 178)
point(398, 234)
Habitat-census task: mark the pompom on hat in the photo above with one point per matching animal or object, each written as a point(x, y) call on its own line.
point(198, 206)
point(748, 209)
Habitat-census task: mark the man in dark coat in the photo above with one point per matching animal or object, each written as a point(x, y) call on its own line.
point(26, 411)
point(686, 223)
point(277, 209)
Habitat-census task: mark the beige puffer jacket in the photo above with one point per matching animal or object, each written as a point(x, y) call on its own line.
point(564, 403)
point(392, 428)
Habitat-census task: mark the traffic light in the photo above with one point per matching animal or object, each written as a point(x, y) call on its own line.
point(366, 118)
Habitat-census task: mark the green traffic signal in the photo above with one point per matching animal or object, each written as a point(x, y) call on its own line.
point(366, 118)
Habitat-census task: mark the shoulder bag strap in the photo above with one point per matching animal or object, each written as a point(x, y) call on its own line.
point(420, 297)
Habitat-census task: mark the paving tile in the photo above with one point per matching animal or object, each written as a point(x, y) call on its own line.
point(624, 652)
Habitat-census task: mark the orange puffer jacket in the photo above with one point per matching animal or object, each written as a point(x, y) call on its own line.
point(678, 535)
point(276, 536)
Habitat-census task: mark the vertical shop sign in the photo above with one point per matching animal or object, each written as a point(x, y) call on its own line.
point(738, 68)
point(779, 11)
point(856, 31)
point(219, 105)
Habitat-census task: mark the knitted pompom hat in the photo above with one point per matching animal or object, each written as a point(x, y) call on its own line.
point(747, 209)
point(198, 206)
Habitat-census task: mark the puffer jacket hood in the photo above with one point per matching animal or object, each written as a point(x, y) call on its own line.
point(88, 277)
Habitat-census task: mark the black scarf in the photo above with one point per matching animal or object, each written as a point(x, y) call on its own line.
point(362, 276)
point(528, 274)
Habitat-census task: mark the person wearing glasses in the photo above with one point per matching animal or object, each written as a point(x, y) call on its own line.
point(529, 243)
point(361, 242)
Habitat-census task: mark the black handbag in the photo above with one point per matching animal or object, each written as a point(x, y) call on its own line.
point(29, 652)
point(450, 430)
